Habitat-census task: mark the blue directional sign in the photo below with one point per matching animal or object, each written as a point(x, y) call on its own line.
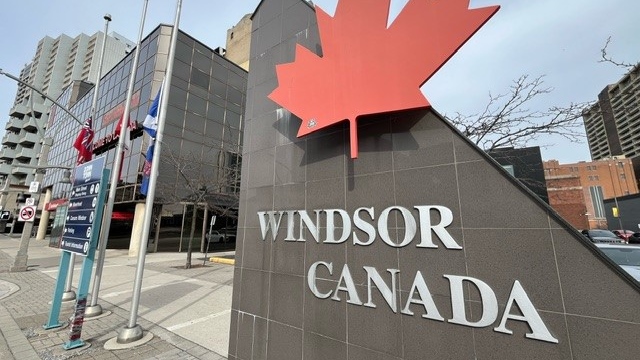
point(85, 204)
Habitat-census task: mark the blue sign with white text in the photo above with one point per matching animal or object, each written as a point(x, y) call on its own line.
point(86, 197)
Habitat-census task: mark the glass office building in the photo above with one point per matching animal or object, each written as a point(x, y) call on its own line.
point(202, 136)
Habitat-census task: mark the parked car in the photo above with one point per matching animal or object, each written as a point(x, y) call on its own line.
point(634, 238)
point(626, 256)
point(602, 236)
point(217, 236)
point(623, 234)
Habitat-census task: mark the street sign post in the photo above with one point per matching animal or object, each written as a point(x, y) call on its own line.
point(79, 236)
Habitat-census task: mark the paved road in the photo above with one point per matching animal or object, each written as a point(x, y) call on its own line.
point(187, 311)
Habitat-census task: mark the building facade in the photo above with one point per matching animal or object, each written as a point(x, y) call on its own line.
point(525, 164)
point(239, 42)
point(578, 190)
point(202, 136)
point(55, 65)
point(612, 122)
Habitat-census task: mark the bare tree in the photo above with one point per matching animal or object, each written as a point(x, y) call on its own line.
point(507, 120)
point(606, 58)
point(214, 185)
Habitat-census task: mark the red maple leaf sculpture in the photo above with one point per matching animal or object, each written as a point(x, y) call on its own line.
point(367, 68)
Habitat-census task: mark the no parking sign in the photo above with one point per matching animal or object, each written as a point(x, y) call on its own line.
point(27, 213)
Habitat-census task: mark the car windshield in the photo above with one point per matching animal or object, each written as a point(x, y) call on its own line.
point(602, 233)
point(624, 256)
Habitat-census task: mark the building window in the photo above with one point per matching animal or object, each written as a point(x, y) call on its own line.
point(596, 178)
point(509, 169)
point(597, 200)
point(594, 167)
point(623, 176)
point(589, 167)
point(590, 178)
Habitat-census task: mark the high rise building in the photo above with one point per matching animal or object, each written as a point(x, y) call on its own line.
point(612, 123)
point(56, 64)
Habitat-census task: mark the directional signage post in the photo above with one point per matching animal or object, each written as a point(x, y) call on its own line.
point(80, 235)
point(83, 203)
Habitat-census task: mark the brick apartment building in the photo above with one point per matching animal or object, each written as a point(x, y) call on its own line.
point(577, 191)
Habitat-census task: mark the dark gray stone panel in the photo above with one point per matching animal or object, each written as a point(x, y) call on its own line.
point(375, 190)
point(435, 185)
point(262, 168)
point(269, 35)
point(488, 199)
point(233, 335)
point(288, 170)
point(326, 194)
point(430, 339)
point(254, 294)
point(261, 132)
point(527, 256)
point(285, 342)
point(326, 317)
point(387, 337)
point(260, 339)
point(432, 264)
point(257, 252)
point(298, 18)
point(322, 348)
point(286, 300)
point(464, 152)
point(593, 338)
point(421, 140)
point(495, 345)
point(245, 335)
point(359, 353)
point(374, 146)
point(325, 157)
point(289, 197)
point(288, 257)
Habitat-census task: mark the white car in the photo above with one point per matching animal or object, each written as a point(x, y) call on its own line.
point(216, 236)
point(626, 256)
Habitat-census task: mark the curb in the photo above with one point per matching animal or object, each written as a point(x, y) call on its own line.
point(222, 260)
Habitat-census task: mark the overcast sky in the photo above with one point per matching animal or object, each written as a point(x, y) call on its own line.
point(560, 39)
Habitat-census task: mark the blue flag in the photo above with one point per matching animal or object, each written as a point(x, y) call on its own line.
point(150, 123)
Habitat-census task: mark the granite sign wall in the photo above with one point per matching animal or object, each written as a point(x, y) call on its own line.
point(421, 248)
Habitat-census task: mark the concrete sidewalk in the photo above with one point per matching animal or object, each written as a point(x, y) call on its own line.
point(186, 311)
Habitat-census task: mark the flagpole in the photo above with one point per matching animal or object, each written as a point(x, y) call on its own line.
point(133, 332)
point(94, 309)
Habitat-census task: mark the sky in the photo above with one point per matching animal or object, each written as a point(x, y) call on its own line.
point(560, 40)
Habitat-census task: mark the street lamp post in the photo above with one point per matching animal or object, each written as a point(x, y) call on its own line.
point(615, 197)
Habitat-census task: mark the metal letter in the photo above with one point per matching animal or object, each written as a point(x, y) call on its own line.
point(446, 218)
point(529, 314)
point(389, 295)
point(369, 229)
point(313, 228)
point(311, 278)
point(487, 299)
point(409, 226)
point(426, 300)
point(272, 223)
point(346, 226)
point(349, 287)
